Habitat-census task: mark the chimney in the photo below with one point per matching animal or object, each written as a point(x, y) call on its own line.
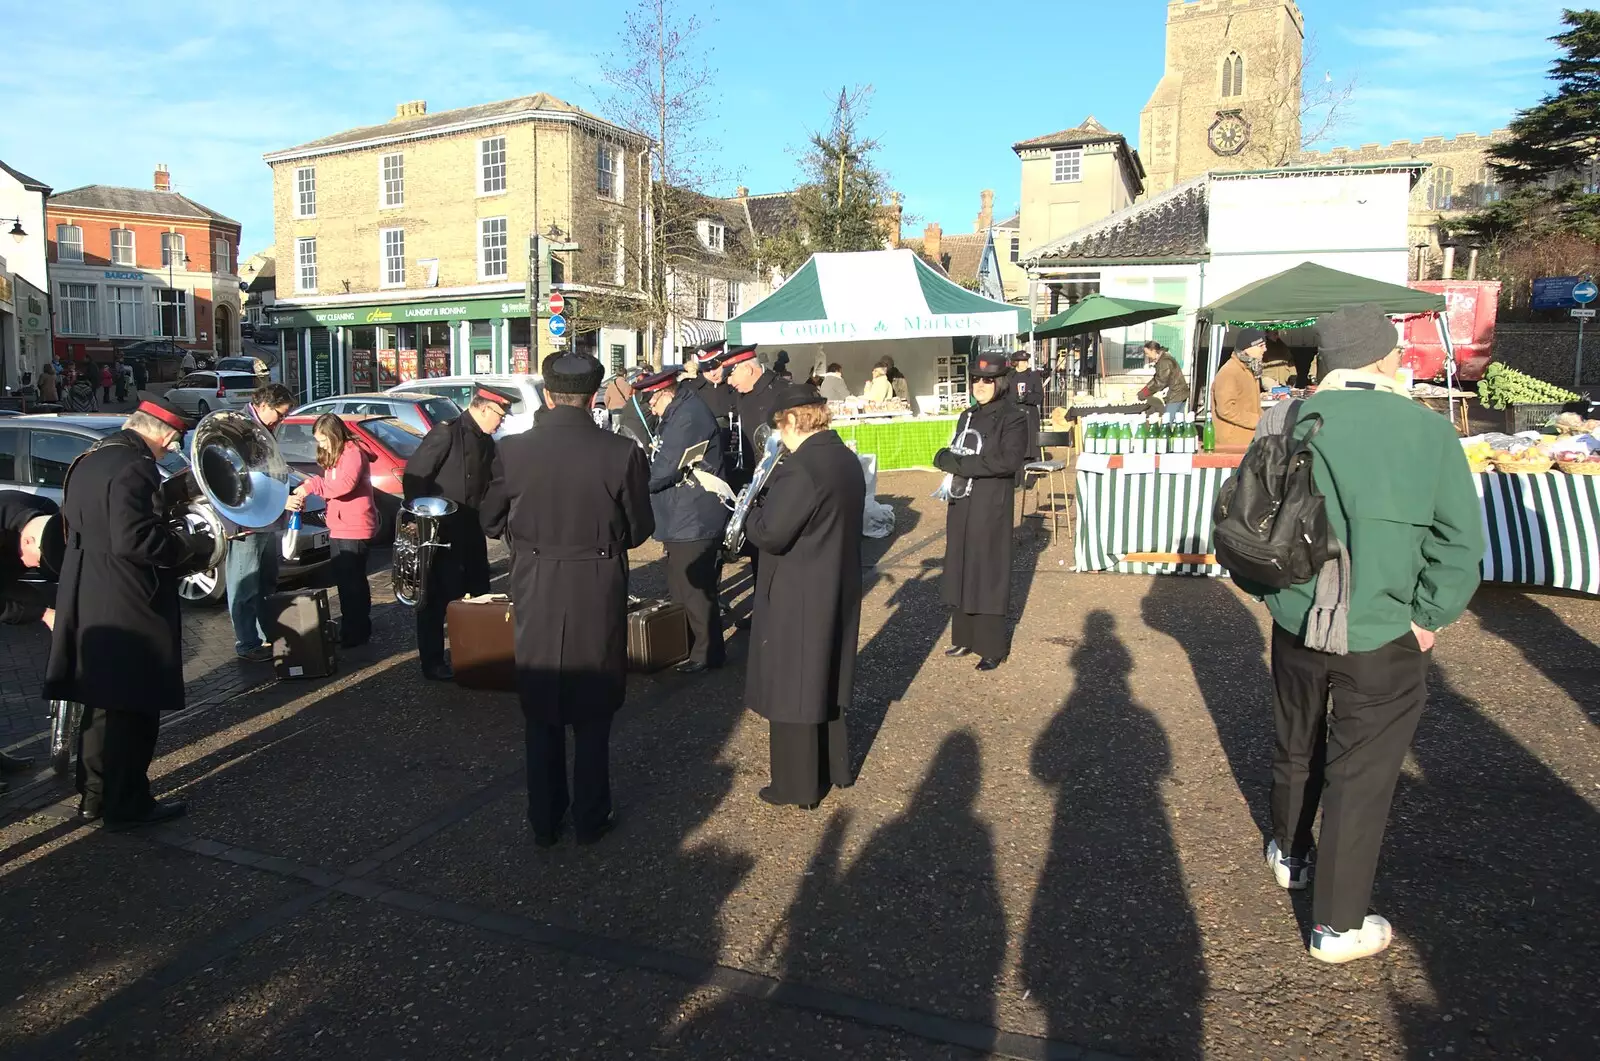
point(931, 240)
point(985, 214)
point(412, 109)
point(741, 192)
point(163, 178)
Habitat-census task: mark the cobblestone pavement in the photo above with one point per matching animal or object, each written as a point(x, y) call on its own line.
point(1061, 859)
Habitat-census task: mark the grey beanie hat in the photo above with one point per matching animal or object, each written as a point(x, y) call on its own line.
point(1354, 337)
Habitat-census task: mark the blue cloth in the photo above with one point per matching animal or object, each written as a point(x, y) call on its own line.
point(252, 573)
point(684, 510)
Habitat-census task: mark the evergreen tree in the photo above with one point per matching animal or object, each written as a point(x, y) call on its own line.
point(840, 204)
point(1550, 160)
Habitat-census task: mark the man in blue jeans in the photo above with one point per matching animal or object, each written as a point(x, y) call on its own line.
point(252, 567)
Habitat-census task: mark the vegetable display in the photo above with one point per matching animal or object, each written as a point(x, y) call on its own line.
point(1502, 386)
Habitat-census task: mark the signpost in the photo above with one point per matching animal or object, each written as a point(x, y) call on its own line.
point(1583, 293)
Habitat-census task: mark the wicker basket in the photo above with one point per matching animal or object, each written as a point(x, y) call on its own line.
point(1537, 466)
point(1579, 467)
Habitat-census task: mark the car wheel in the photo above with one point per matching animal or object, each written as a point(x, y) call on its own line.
point(203, 587)
point(204, 408)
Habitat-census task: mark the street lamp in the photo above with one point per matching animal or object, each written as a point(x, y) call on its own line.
point(17, 232)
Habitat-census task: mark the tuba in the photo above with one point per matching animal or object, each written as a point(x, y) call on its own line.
point(966, 443)
point(235, 466)
point(416, 535)
point(733, 537)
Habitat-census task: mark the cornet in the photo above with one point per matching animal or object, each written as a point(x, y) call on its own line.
point(962, 446)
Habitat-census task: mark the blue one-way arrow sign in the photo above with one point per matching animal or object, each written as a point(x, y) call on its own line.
point(558, 325)
point(1585, 293)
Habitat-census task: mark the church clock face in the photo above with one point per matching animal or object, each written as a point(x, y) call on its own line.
point(1229, 133)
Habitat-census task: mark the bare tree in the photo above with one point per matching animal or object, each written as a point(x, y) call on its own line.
point(1304, 107)
point(660, 79)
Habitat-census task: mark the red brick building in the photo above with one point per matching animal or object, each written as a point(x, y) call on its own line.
point(130, 263)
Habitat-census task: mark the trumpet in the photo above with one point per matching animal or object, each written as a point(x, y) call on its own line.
point(962, 446)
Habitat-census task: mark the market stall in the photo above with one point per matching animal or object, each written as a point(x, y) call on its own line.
point(852, 310)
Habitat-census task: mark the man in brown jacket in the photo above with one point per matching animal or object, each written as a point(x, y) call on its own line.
point(1236, 392)
point(1167, 393)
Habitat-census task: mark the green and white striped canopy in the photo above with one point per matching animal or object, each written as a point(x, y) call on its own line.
point(866, 295)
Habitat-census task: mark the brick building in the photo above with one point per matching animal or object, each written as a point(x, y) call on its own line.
point(403, 249)
point(135, 263)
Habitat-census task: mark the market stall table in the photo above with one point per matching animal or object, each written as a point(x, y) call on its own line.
point(1152, 515)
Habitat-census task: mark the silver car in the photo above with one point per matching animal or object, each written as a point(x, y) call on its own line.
point(37, 450)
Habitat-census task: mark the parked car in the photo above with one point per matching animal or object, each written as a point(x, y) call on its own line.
point(253, 365)
point(459, 390)
point(199, 393)
point(421, 411)
point(388, 443)
point(36, 451)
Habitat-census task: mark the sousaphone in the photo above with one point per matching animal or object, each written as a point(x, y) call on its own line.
point(239, 469)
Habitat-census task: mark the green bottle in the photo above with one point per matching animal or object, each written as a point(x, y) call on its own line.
point(1125, 443)
point(1209, 441)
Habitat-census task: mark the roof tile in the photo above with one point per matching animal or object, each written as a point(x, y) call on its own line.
point(136, 201)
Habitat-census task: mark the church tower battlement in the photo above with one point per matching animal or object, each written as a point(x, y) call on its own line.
point(1229, 96)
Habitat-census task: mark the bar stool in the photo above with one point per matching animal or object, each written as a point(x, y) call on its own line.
point(1054, 475)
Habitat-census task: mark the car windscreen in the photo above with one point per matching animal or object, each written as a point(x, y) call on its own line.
point(400, 439)
point(439, 410)
point(297, 443)
point(238, 381)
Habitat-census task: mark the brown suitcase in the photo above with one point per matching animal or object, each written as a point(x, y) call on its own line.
point(658, 635)
point(483, 642)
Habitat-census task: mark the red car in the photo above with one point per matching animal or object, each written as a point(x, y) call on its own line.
point(387, 442)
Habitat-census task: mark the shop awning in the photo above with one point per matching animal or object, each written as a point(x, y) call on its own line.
point(867, 295)
point(1308, 291)
point(1096, 313)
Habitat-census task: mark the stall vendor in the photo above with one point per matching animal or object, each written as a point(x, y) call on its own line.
point(1236, 392)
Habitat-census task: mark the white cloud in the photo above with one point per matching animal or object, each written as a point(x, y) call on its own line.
point(209, 88)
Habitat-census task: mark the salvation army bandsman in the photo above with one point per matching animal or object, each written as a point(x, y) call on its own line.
point(807, 526)
point(1027, 387)
point(117, 642)
point(32, 545)
point(720, 398)
point(689, 518)
point(455, 461)
point(571, 499)
point(976, 585)
point(754, 392)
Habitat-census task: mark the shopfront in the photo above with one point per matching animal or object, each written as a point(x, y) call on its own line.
point(338, 349)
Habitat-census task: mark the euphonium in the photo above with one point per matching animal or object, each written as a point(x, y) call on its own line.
point(416, 535)
point(961, 446)
point(733, 537)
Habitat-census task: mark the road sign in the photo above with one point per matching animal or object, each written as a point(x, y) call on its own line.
point(557, 304)
point(1555, 292)
point(1583, 314)
point(1585, 293)
point(558, 325)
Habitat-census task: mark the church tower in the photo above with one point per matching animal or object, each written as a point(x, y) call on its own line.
point(1229, 98)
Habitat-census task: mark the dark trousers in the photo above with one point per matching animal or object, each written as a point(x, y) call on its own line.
point(547, 774)
point(1347, 758)
point(348, 557)
point(694, 570)
point(807, 760)
point(445, 584)
point(473, 548)
point(114, 753)
point(987, 635)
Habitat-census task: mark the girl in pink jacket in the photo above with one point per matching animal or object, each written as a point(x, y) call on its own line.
point(346, 485)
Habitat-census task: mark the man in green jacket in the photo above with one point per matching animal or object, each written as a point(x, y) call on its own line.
point(1402, 505)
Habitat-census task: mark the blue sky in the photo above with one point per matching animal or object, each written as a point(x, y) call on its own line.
point(101, 92)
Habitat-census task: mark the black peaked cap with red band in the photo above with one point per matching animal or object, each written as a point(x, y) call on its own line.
point(733, 355)
point(706, 353)
point(158, 406)
point(504, 399)
point(655, 381)
point(991, 365)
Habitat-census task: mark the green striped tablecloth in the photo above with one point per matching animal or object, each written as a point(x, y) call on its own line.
point(910, 442)
point(1541, 530)
point(1121, 513)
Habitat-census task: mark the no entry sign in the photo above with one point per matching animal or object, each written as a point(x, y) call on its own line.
point(558, 304)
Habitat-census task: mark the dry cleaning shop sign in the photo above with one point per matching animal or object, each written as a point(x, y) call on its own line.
point(356, 316)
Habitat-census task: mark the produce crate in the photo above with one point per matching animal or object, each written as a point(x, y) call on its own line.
point(1530, 417)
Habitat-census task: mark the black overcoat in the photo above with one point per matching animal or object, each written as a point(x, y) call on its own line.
point(807, 604)
point(1028, 389)
point(977, 558)
point(684, 510)
point(455, 460)
point(571, 499)
point(755, 413)
point(118, 634)
point(24, 594)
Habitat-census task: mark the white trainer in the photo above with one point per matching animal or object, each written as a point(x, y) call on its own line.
point(1290, 872)
point(1336, 948)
